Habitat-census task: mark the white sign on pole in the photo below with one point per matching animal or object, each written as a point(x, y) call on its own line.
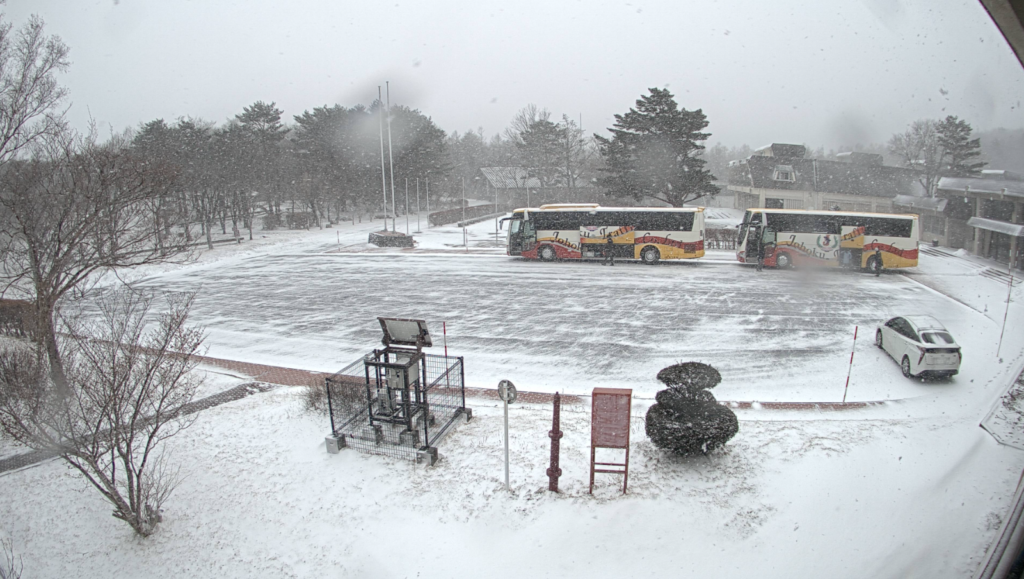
point(507, 392)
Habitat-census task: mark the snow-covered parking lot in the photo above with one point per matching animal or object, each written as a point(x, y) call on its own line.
point(571, 326)
point(911, 488)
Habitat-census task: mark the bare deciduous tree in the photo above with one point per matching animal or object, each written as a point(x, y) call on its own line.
point(918, 148)
point(126, 392)
point(11, 566)
point(29, 91)
point(76, 207)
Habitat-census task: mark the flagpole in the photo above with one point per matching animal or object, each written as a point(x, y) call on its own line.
point(391, 160)
point(383, 180)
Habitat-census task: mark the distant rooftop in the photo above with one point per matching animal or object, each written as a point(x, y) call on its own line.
point(510, 177)
point(782, 150)
point(1001, 175)
point(991, 182)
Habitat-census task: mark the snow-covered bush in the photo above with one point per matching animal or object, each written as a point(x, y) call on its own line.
point(314, 397)
point(686, 418)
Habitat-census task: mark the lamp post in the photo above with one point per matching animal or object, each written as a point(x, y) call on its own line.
point(496, 216)
point(417, 205)
point(465, 241)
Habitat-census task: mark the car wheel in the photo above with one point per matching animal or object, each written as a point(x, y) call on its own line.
point(878, 339)
point(905, 366)
point(547, 253)
point(650, 255)
point(783, 261)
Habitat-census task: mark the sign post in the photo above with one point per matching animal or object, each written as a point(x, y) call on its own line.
point(609, 428)
point(507, 393)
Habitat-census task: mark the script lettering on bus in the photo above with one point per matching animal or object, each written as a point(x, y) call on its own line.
point(799, 246)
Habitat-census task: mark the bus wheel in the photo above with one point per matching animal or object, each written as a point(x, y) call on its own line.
point(873, 264)
point(783, 261)
point(547, 253)
point(650, 255)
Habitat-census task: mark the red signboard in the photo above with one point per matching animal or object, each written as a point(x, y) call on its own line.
point(609, 428)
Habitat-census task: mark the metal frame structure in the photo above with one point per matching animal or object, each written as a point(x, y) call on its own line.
point(404, 403)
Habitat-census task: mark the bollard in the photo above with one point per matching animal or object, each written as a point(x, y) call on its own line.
point(555, 434)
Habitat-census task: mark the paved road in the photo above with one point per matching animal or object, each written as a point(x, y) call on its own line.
point(778, 335)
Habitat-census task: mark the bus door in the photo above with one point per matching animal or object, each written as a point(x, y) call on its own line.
point(529, 236)
point(521, 235)
point(851, 246)
point(768, 240)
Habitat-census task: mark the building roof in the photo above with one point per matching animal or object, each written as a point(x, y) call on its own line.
point(858, 158)
point(937, 204)
point(1011, 229)
point(510, 178)
point(782, 150)
point(987, 185)
point(823, 176)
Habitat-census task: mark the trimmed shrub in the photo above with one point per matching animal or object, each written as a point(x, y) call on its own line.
point(687, 419)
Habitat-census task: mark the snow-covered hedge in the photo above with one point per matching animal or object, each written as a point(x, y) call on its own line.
point(686, 418)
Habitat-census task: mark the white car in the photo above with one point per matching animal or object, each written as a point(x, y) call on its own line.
point(921, 345)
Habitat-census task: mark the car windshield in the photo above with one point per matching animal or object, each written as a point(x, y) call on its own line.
point(940, 338)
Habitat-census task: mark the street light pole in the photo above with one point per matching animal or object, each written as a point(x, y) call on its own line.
point(407, 206)
point(465, 241)
point(417, 205)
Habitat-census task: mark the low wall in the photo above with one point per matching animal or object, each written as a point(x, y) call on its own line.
point(455, 215)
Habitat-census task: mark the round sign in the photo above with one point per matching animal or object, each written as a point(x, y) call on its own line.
point(507, 391)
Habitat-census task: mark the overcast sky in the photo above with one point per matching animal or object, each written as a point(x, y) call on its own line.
point(813, 72)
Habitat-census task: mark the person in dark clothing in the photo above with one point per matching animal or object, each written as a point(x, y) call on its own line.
point(878, 262)
point(609, 256)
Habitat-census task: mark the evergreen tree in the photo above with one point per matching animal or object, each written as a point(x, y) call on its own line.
point(962, 152)
point(655, 151)
point(264, 135)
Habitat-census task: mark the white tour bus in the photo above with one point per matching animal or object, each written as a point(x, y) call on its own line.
point(580, 231)
point(828, 238)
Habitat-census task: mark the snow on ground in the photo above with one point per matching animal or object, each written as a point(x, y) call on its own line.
point(913, 488)
point(571, 326)
point(824, 497)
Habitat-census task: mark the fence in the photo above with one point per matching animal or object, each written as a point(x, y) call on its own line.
point(720, 238)
point(444, 400)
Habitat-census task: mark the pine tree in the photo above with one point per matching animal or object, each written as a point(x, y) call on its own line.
point(954, 136)
point(655, 151)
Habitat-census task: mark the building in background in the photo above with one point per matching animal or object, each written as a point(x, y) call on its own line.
point(780, 176)
point(985, 215)
point(514, 187)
